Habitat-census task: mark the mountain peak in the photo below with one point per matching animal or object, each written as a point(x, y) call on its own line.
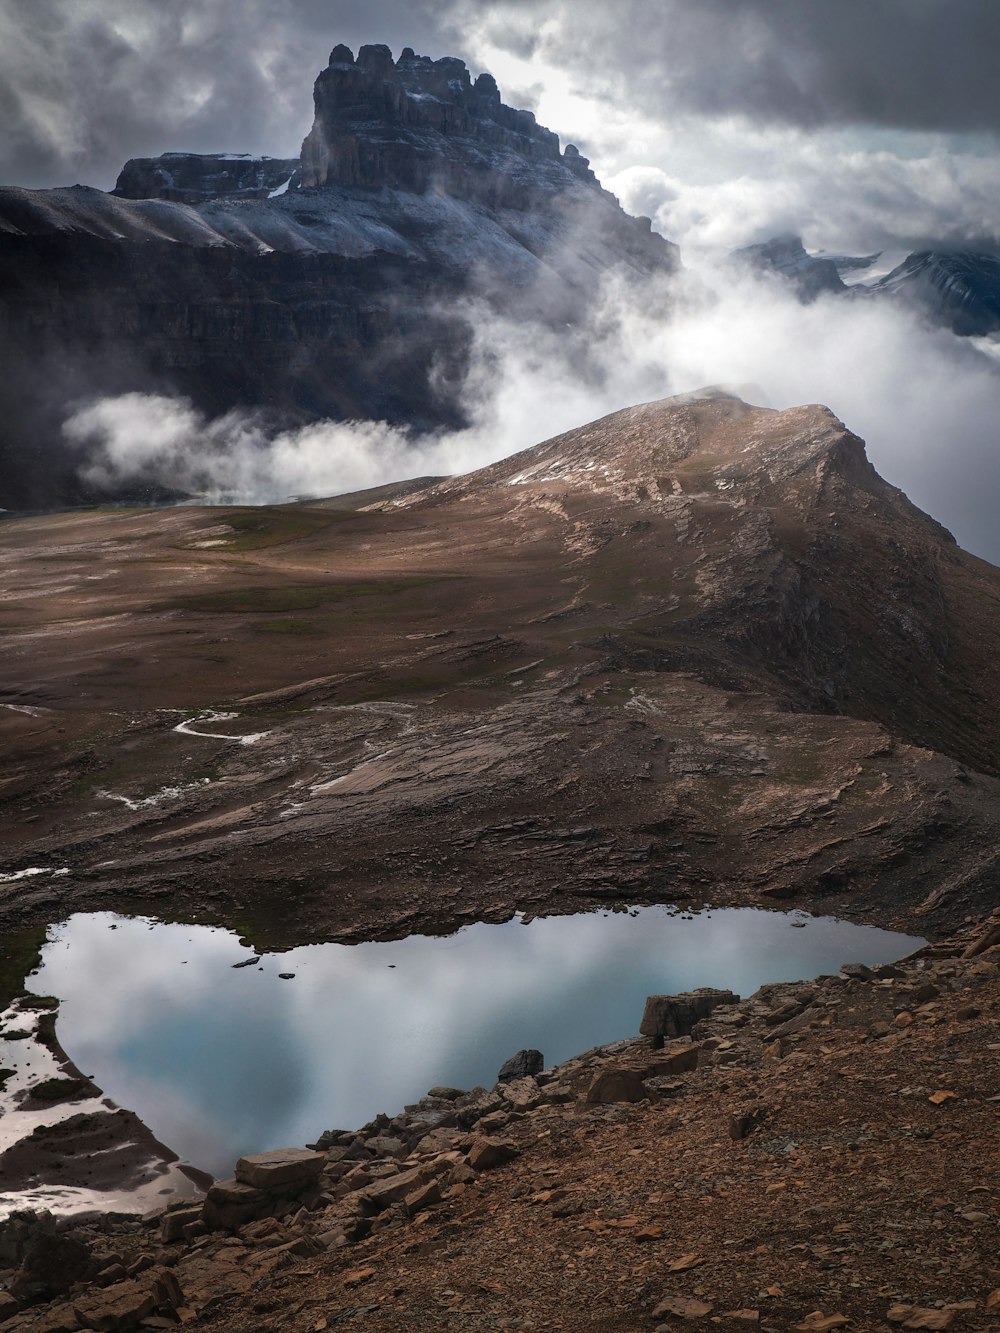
point(416, 124)
point(709, 444)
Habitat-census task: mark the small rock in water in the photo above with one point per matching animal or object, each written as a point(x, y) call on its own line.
point(286, 976)
point(248, 962)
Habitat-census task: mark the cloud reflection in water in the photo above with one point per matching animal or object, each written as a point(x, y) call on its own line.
point(221, 1060)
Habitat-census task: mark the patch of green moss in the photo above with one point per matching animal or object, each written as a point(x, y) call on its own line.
point(59, 1089)
point(20, 953)
point(254, 529)
point(46, 1030)
point(291, 626)
point(292, 597)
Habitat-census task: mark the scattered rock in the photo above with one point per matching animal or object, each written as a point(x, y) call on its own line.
point(522, 1093)
point(383, 1193)
point(173, 1224)
point(857, 972)
point(685, 1262)
point(678, 1060)
point(357, 1276)
point(230, 1204)
point(116, 1309)
point(912, 1316)
point(424, 1197)
point(743, 1123)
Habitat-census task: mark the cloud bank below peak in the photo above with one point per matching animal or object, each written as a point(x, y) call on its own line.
point(926, 401)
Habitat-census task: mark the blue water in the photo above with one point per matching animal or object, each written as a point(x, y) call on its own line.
point(220, 1060)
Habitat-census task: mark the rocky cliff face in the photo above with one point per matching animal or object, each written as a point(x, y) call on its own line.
point(329, 287)
point(417, 124)
point(960, 290)
point(194, 178)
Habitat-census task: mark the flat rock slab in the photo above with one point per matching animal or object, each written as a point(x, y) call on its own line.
point(616, 1085)
point(281, 1169)
point(122, 1306)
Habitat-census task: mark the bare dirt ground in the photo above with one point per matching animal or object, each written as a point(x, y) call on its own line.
point(689, 653)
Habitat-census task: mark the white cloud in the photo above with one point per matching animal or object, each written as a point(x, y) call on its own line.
point(837, 197)
point(926, 401)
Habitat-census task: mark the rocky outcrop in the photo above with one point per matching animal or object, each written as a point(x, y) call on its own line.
point(678, 1015)
point(195, 178)
point(522, 1065)
point(417, 124)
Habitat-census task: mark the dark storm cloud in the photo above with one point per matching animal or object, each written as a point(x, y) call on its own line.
point(911, 64)
point(86, 84)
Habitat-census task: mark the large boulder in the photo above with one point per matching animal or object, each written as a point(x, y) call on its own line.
point(284, 1170)
point(230, 1204)
point(676, 1015)
point(616, 1085)
point(51, 1264)
point(525, 1064)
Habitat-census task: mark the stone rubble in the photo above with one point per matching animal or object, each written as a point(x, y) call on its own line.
point(852, 1197)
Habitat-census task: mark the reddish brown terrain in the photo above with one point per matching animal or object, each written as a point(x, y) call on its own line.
point(696, 651)
point(819, 1157)
point(693, 651)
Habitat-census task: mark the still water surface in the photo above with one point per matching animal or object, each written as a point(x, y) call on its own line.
point(219, 1060)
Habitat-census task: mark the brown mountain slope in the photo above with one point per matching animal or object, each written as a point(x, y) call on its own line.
point(694, 650)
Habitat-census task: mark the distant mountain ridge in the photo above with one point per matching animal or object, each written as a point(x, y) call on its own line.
point(326, 286)
point(959, 289)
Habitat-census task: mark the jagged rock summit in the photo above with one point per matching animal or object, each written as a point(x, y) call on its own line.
point(412, 124)
point(417, 124)
point(335, 285)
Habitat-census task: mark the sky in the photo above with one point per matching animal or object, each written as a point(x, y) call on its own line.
point(857, 123)
point(861, 125)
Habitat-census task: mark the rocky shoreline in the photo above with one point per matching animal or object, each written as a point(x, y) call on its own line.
point(808, 1158)
point(64, 1146)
